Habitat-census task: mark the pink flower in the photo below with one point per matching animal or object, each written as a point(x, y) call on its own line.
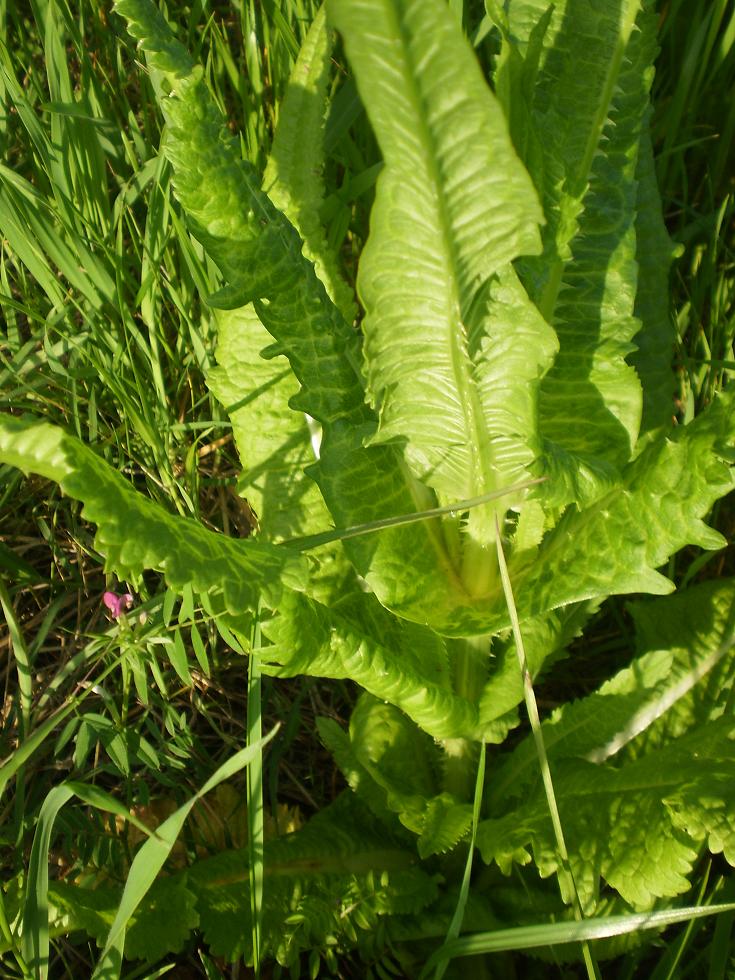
point(117, 604)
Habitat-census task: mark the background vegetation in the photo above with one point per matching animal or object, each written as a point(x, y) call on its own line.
point(102, 331)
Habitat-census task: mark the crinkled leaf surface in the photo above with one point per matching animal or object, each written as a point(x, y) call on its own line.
point(696, 628)
point(615, 545)
point(419, 570)
point(657, 336)
point(445, 823)
point(584, 727)
point(293, 177)
point(584, 71)
point(393, 767)
point(134, 533)
point(681, 678)
point(260, 256)
point(275, 443)
point(453, 207)
point(638, 827)
point(315, 879)
point(161, 925)
point(545, 638)
point(394, 660)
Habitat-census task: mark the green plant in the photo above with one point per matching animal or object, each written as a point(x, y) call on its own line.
point(512, 372)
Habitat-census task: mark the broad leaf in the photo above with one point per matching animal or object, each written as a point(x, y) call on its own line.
point(393, 768)
point(681, 678)
point(639, 827)
point(259, 254)
point(587, 102)
point(136, 534)
point(315, 880)
point(545, 638)
point(695, 627)
point(162, 923)
point(616, 545)
point(276, 444)
point(394, 660)
point(657, 336)
point(452, 359)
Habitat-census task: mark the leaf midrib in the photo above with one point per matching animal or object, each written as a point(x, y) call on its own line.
point(474, 422)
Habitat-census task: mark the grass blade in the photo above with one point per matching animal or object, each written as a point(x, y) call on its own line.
point(561, 933)
point(254, 785)
point(568, 886)
point(152, 855)
point(340, 534)
point(456, 924)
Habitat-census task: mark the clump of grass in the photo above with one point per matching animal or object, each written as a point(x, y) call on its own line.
point(103, 332)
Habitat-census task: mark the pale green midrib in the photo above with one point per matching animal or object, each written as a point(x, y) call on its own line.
point(646, 780)
point(473, 419)
point(547, 303)
point(419, 494)
point(358, 862)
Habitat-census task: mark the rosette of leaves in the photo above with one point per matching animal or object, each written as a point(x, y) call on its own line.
point(515, 328)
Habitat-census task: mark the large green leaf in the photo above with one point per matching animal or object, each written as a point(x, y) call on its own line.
point(135, 534)
point(294, 174)
point(580, 135)
point(657, 336)
point(394, 768)
point(394, 660)
point(275, 444)
point(337, 874)
point(452, 359)
point(682, 677)
point(639, 827)
point(418, 570)
point(326, 882)
point(616, 545)
point(695, 627)
point(160, 925)
point(545, 638)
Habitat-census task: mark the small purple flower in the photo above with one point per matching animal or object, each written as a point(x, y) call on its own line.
point(117, 604)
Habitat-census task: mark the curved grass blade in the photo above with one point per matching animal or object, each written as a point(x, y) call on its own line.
point(561, 933)
point(340, 534)
point(35, 929)
point(566, 877)
point(254, 790)
point(152, 855)
point(456, 924)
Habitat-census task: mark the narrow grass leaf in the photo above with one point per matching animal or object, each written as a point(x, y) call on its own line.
point(22, 659)
point(152, 855)
point(566, 882)
point(562, 933)
point(456, 924)
point(256, 826)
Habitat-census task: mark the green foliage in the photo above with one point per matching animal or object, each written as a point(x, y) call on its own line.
point(134, 534)
point(638, 822)
point(161, 924)
point(638, 827)
point(336, 878)
point(514, 327)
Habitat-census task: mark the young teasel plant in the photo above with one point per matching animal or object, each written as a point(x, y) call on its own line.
point(509, 392)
